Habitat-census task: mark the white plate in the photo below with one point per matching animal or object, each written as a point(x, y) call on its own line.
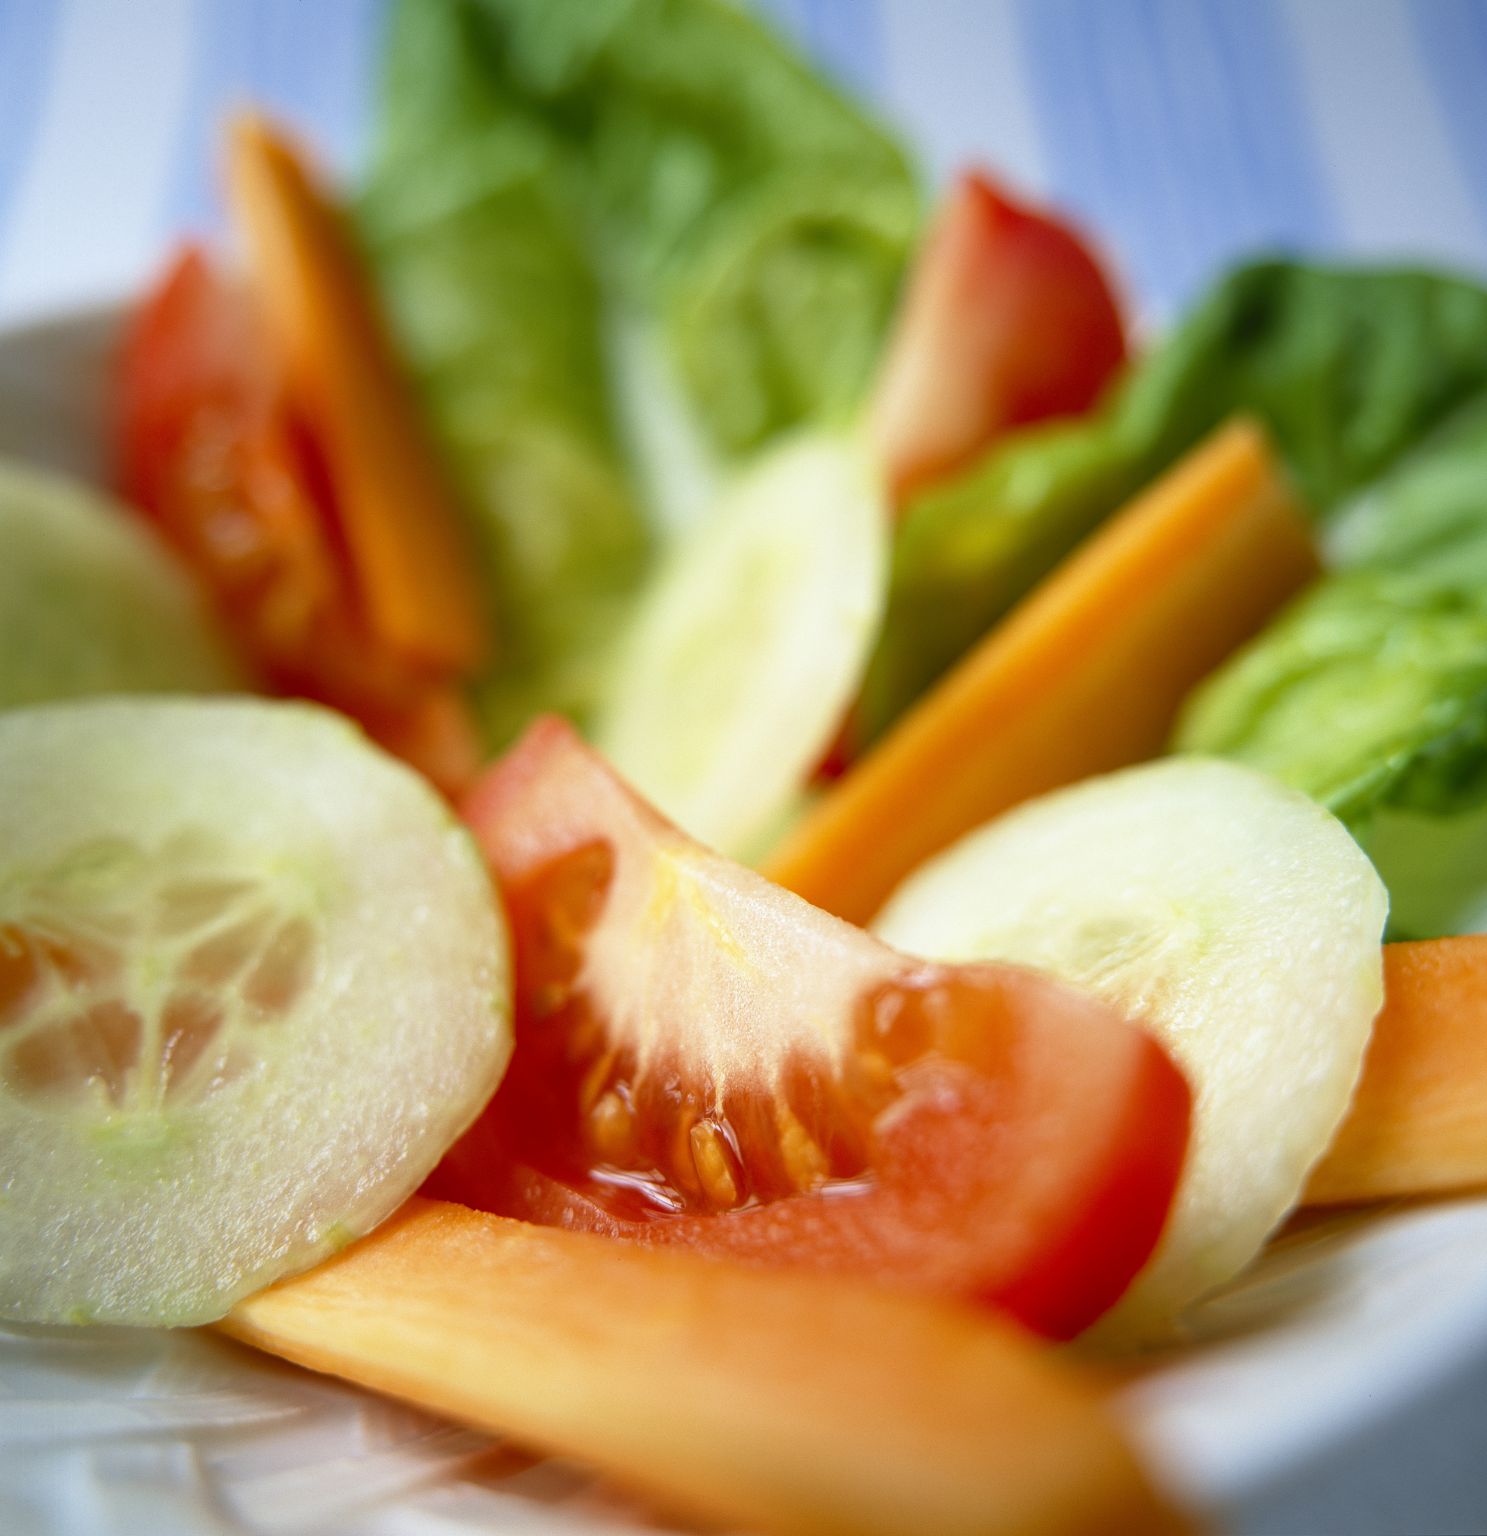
point(1342, 1386)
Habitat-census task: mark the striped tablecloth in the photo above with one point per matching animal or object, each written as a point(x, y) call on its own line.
point(1184, 132)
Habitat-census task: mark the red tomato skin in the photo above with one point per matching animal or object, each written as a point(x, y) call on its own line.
point(212, 448)
point(1008, 319)
point(209, 450)
point(1024, 1159)
point(914, 1238)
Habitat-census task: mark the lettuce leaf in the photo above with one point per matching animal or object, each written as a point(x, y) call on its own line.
point(497, 307)
point(556, 176)
point(1371, 687)
point(1429, 515)
point(1370, 692)
point(1348, 368)
point(724, 188)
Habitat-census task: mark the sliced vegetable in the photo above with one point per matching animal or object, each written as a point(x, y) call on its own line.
point(1239, 920)
point(91, 602)
point(402, 533)
point(786, 1403)
point(1007, 319)
point(209, 447)
point(1085, 676)
point(252, 984)
point(216, 450)
point(1416, 1125)
point(1348, 369)
point(748, 649)
point(705, 1061)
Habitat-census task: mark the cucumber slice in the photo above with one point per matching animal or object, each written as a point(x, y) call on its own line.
point(91, 602)
point(253, 982)
point(1232, 915)
point(749, 649)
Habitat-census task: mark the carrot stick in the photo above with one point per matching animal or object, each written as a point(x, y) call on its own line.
point(400, 526)
point(779, 1401)
point(1084, 676)
point(1418, 1121)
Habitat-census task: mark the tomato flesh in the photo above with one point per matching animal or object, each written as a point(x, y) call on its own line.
point(703, 1059)
point(1008, 319)
point(215, 450)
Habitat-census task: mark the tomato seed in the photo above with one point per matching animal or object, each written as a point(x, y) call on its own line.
point(611, 1127)
point(805, 1163)
point(715, 1163)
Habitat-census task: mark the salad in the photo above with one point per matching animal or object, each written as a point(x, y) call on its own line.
point(683, 807)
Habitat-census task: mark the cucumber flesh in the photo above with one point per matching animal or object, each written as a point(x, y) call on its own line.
point(253, 983)
point(1239, 922)
point(749, 649)
point(91, 602)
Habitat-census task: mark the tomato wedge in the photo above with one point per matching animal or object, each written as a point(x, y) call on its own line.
point(1008, 319)
point(210, 448)
point(704, 1059)
point(215, 449)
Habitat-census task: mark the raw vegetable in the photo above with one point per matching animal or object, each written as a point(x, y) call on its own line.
point(1364, 684)
point(724, 189)
point(1416, 1125)
point(497, 309)
point(588, 213)
point(785, 1403)
point(1007, 319)
point(1085, 676)
point(409, 565)
point(1428, 515)
point(1240, 921)
point(218, 453)
point(1370, 692)
point(703, 1060)
point(252, 984)
point(91, 603)
point(207, 446)
point(1347, 369)
point(750, 645)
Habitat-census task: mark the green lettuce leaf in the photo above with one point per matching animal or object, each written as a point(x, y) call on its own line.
point(725, 189)
point(556, 177)
point(1371, 687)
point(497, 307)
point(1429, 515)
point(514, 391)
point(1348, 368)
point(1370, 691)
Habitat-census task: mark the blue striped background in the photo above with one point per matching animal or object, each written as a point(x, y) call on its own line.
point(1183, 132)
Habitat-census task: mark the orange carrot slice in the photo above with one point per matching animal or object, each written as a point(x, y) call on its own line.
point(779, 1401)
point(1084, 676)
point(1418, 1121)
point(400, 527)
